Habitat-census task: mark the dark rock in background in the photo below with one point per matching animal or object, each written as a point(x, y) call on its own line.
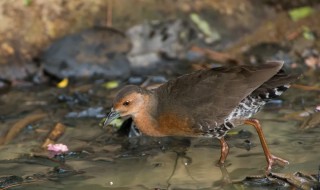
point(161, 47)
point(262, 52)
point(96, 52)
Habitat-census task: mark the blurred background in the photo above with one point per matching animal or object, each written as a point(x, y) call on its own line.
point(119, 39)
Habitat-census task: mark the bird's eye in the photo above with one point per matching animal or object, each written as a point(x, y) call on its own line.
point(126, 103)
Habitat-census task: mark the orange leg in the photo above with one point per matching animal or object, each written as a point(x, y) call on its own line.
point(270, 158)
point(224, 151)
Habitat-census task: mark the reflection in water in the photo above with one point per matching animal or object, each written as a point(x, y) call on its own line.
point(183, 161)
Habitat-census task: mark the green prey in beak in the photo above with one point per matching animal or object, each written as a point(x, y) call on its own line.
point(111, 116)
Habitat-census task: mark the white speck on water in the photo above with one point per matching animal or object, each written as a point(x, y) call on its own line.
point(111, 183)
point(186, 163)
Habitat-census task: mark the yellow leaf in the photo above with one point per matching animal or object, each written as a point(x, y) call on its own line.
point(63, 83)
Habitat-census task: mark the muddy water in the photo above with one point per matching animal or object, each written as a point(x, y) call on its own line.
point(101, 160)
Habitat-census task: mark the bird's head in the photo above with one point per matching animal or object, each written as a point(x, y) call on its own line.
point(129, 101)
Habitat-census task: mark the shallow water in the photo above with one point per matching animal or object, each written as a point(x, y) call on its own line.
point(109, 162)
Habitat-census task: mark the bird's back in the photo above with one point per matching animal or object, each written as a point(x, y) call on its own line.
point(207, 100)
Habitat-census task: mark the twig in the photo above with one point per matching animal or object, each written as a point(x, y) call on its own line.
point(109, 13)
point(305, 87)
point(17, 127)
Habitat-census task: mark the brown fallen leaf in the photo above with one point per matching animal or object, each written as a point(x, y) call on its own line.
point(292, 35)
point(82, 89)
point(200, 66)
point(214, 55)
point(17, 127)
point(7, 48)
point(54, 135)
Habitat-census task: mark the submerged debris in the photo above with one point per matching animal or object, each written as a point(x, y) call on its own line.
point(282, 181)
point(298, 180)
point(313, 120)
point(62, 171)
point(10, 181)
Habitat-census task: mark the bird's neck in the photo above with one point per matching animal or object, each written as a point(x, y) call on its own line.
point(145, 119)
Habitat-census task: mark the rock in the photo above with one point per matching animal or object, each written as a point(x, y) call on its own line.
point(160, 46)
point(94, 52)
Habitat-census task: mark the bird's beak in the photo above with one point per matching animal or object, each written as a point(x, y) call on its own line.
point(111, 116)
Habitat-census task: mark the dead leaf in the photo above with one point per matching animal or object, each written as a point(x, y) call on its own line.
point(54, 135)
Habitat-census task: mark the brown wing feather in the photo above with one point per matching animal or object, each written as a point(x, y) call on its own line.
point(210, 95)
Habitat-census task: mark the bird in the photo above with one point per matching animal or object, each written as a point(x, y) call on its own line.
point(205, 103)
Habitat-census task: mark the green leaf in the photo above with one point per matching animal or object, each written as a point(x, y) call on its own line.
point(300, 13)
point(204, 27)
point(111, 84)
point(308, 34)
point(27, 2)
point(115, 123)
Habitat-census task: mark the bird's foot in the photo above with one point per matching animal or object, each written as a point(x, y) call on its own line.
point(223, 163)
point(272, 160)
point(220, 163)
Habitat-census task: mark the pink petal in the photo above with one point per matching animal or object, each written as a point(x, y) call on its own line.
point(57, 148)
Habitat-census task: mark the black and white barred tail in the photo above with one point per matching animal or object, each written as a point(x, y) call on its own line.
point(273, 93)
point(248, 107)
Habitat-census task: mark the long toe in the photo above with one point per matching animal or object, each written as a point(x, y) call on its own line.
point(280, 161)
point(275, 160)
